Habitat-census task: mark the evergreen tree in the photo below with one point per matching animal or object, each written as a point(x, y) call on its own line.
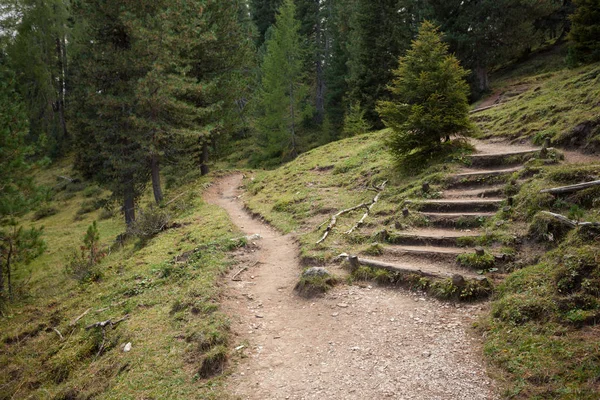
point(263, 14)
point(379, 33)
point(38, 54)
point(585, 30)
point(487, 33)
point(430, 96)
point(283, 96)
point(17, 192)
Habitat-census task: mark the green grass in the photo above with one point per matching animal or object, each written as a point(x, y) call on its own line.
point(302, 195)
point(542, 98)
point(168, 286)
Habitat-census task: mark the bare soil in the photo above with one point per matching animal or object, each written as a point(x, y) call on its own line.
point(356, 342)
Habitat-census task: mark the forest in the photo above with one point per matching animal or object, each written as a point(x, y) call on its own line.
point(127, 107)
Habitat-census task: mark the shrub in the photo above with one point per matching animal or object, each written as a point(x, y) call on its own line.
point(44, 212)
point(149, 223)
point(82, 263)
point(355, 122)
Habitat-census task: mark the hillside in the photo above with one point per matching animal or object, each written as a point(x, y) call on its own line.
point(541, 331)
point(166, 287)
point(473, 268)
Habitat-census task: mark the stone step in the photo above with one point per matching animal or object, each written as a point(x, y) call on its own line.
point(457, 220)
point(459, 205)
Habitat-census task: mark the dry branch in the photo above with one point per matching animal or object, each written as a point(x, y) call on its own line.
point(76, 320)
point(366, 214)
point(571, 188)
point(335, 217)
point(175, 198)
point(58, 333)
point(108, 322)
point(233, 278)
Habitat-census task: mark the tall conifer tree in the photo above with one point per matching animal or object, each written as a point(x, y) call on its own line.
point(283, 96)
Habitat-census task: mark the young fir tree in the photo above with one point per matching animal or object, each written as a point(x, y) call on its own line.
point(429, 96)
point(283, 96)
point(18, 246)
point(585, 30)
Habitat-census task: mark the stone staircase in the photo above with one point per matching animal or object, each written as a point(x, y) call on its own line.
point(468, 200)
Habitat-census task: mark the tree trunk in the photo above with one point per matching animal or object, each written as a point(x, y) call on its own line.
point(483, 82)
point(293, 117)
point(129, 202)
point(8, 267)
point(204, 170)
point(155, 170)
point(60, 102)
point(321, 49)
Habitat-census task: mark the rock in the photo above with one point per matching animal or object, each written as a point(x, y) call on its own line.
point(342, 305)
point(315, 271)
point(127, 347)
point(458, 280)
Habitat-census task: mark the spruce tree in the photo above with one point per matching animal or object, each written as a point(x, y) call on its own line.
point(263, 14)
point(429, 96)
point(585, 30)
point(283, 97)
point(18, 246)
point(38, 54)
point(379, 33)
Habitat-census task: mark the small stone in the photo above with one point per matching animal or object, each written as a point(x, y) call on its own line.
point(127, 347)
point(342, 305)
point(335, 314)
point(315, 271)
point(426, 354)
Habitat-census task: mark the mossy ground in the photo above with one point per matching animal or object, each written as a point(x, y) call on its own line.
point(168, 286)
point(542, 98)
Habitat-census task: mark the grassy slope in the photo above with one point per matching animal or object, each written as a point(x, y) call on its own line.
point(542, 98)
point(301, 196)
point(541, 336)
point(174, 325)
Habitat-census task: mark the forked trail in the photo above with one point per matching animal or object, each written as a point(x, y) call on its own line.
point(354, 343)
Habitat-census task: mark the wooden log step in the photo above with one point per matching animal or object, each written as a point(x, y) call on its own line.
point(480, 192)
point(457, 220)
point(447, 254)
point(458, 205)
point(430, 237)
point(485, 177)
point(508, 158)
point(429, 272)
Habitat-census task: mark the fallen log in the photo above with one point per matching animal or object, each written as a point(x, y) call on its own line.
point(366, 214)
point(355, 262)
point(566, 221)
point(571, 188)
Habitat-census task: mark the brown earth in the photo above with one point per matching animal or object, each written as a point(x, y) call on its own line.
point(356, 342)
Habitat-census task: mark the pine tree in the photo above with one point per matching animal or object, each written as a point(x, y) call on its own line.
point(263, 14)
point(430, 96)
point(38, 54)
point(17, 191)
point(379, 33)
point(487, 33)
point(283, 95)
point(585, 30)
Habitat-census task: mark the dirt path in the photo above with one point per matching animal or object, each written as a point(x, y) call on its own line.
point(355, 343)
